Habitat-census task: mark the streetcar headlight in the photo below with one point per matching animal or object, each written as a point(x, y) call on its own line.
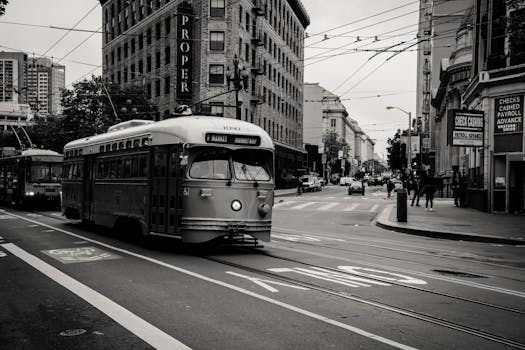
point(236, 205)
point(30, 193)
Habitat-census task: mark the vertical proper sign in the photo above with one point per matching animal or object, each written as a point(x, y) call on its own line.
point(508, 112)
point(184, 52)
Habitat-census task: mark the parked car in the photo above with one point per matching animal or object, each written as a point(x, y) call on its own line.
point(310, 183)
point(346, 180)
point(376, 181)
point(356, 187)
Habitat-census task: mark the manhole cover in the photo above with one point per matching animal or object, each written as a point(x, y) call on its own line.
point(72, 332)
point(458, 274)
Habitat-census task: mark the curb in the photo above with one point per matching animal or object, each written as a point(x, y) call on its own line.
point(384, 222)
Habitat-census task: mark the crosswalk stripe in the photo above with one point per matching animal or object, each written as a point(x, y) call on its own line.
point(304, 205)
point(284, 203)
point(328, 206)
point(374, 207)
point(350, 208)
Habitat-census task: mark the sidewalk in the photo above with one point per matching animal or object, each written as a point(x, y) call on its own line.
point(450, 222)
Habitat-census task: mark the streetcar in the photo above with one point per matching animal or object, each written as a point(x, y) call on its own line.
point(194, 178)
point(30, 177)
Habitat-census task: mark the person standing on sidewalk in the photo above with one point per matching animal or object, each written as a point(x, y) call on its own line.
point(455, 189)
point(417, 191)
point(429, 190)
point(462, 192)
point(389, 187)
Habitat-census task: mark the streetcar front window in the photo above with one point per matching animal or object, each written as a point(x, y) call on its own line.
point(211, 164)
point(252, 165)
point(45, 172)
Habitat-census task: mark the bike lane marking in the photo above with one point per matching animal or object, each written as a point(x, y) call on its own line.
point(136, 325)
point(284, 305)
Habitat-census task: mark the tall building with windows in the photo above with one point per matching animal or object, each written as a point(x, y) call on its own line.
point(12, 77)
point(45, 82)
point(183, 52)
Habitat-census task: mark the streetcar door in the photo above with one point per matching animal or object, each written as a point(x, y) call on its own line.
point(164, 196)
point(88, 187)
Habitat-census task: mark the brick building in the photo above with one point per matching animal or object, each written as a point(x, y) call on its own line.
point(182, 52)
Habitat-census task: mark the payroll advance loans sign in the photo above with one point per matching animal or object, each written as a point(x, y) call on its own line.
point(508, 114)
point(465, 128)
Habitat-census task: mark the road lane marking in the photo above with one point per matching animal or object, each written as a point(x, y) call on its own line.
point(235, 288)
point(327, 206)
point(283, 203)
point(416, 273)
point(302, 206)
point(264, 282)
point(351, 207)
point(142, 329)
point(374, 208)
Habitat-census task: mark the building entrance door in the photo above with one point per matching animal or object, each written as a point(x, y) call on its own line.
point(517, 187)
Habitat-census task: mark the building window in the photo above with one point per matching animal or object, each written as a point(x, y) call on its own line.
point(167, 25)
point(157, 60)
point(148, 64)
point(217, 108)
point(167, 85)
point(157, 31)
point(167, 56)
point(216, 74)
point(148, 91)
point(157, 87)
point(217, 41)
point(217, 8)
point(333, 123)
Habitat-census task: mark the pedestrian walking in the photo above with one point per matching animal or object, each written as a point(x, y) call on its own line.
point(299, 187)
point(455, 189)
point(462, 188)
point(429, 190)
point(389, 187)
point(417, 191)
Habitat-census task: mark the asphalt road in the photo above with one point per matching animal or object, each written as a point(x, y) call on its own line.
point(329, 279)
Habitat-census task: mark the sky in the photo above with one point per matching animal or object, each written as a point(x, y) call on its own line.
point(366, 83)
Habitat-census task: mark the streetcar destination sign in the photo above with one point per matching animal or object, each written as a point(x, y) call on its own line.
point(465, 128)
point(246, 140)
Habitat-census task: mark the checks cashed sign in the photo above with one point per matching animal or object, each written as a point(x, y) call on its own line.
point(466, 128)
point(508, 113)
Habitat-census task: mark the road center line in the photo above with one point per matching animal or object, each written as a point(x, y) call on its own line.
point(232, 287)
point(144, 330)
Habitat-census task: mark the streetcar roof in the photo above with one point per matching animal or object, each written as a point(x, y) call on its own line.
point(39, 152)
point(190, 130)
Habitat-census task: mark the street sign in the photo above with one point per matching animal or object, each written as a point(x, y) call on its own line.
point(425, 143)
point(321, 148)
point(340, 154)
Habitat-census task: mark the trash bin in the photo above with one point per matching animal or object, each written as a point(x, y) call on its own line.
point(401, 205)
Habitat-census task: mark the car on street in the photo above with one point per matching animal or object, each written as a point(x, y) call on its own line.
point(356, 187)
point(311, 183)
point(346, 180)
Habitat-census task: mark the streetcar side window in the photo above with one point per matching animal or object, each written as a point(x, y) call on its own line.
point(108, 148)
point(127, 167)
point(101, 149)
point(143, 167)
point(136, 143)
point(112, 169)
point(114, 147)
point(120, 168)
point(134, 167)
point(128, 144)
point(121, 145)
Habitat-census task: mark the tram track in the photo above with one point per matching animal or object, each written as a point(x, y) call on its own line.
point(384, 306)
point(438, 256)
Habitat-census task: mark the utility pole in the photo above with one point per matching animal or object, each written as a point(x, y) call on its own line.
point(239, 78)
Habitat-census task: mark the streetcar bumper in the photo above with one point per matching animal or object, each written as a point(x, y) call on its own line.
point(197, 230)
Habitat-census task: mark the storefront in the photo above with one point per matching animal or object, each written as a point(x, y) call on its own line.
point(503, 152)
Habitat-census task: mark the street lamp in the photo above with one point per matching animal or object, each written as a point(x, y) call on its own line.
point(409, 146)
point(239, 78)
